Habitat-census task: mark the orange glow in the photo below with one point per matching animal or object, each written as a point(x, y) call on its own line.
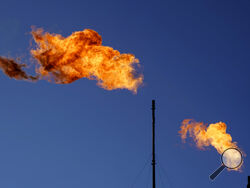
point(81, 55)
point(215, 135)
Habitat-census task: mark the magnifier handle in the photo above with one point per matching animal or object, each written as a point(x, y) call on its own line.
point(217, 172)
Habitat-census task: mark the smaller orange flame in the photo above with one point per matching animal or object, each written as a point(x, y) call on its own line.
point(215, 135)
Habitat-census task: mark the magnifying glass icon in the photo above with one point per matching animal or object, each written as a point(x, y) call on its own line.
point(231, 158)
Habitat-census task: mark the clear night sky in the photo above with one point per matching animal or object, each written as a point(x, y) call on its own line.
point(196, 63)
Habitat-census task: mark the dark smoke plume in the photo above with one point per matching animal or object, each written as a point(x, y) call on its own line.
point(15, 70)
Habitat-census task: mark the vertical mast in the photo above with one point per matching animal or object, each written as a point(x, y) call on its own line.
point(153, 144)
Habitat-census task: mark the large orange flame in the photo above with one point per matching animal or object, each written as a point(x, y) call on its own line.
point(215, 135)
point(81, 55)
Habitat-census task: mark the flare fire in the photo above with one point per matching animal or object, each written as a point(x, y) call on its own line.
point(213, 135)
point(80, 55)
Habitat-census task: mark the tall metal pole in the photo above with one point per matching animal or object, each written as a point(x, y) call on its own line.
point(248, 185)
point(153, 144)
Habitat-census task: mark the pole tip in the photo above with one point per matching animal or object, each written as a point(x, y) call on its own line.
point(153, 104)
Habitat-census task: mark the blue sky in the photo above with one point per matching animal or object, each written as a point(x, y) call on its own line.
point(195, 58)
